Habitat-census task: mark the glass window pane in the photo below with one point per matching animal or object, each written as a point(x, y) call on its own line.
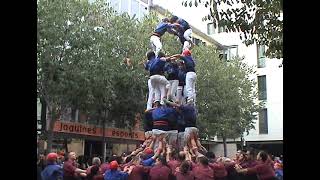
point(263, 121)
point(262, 87)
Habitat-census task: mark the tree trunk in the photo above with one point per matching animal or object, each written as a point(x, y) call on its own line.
point(103, 137)
point(224, 145)
point(65, 142)
point(53, 118)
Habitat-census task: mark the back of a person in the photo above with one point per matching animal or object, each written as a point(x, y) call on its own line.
point(159, 172)
point(265, 171)
point(98, 177)
point(203, 173)
point(220, 171)
point(187, 176)
point(138, 172)
point(173, 164)
point(52, 172)
point(113, 175)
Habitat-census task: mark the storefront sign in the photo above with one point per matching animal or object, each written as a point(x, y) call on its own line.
point(83, 129)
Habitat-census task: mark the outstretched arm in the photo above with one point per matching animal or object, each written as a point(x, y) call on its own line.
point(171, 103)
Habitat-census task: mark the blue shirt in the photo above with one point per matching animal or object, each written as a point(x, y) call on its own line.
point(182, 77)
point(189, 63)
point(163, 113)
point(147, 64)
point(148, 162)
point(115, 175)
point(52, 172)
point(156, 67)
point(172, 71)
point(184, 24)
point(148, 121)
point(189, 115)
point(162, 27)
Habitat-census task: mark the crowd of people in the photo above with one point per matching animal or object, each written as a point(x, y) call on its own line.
point(145, 164)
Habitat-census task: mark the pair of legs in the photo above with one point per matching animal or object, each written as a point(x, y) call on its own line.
point(191, 78)
point(181, 95)
point(173, 90)
point(160, 86)
point(155, 44)
point(151, 95)
point(187, 39)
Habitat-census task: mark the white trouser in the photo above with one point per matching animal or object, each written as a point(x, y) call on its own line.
point(159, 83)
point(155, 44)
point(187, 35)
point(150, 96)
point(181, 98)
point(191, 78)
point(173, 89)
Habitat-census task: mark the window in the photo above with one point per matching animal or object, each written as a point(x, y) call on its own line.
point(196, 41)
point(210, 29)
point(262, 87)
point(261, 56)
point(263, 121)
point(223, 56)
point(221, 29)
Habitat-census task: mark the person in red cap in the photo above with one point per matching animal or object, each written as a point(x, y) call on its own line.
point(191, 75)
point(52, 171)
point(160, 171)
point(70, 171)
point(263, 169)
point(115, 174)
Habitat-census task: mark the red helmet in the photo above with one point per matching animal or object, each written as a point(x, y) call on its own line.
point(186, 52)
point(52, 156)
point(114, 165)
point(148, 151)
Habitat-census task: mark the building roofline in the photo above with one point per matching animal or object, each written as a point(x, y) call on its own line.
point(163, 11)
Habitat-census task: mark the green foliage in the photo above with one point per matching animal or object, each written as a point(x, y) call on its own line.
point(225, 94)
point(258, 21)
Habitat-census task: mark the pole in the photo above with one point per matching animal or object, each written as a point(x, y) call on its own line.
point(103, 137)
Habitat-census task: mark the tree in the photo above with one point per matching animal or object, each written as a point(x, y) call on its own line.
point(257, 21)
point(80, 49)
point(226, 95)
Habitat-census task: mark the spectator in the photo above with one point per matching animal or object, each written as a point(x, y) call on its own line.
point(114, 173)
point(263, 169)
point(183, 172)
point(52, 171)
point(160, 171)
point(70, 171)
point(202, 171)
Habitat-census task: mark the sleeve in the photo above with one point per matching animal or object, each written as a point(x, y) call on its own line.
point(148, 162)
point(146, 65)
point(253, 170)
point(124, 175)
point(69, 167)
